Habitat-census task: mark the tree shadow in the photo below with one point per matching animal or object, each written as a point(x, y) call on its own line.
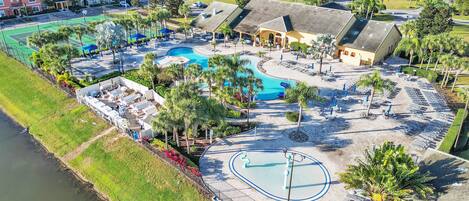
point(446, 173)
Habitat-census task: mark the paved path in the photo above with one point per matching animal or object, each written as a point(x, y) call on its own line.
point(73, 154)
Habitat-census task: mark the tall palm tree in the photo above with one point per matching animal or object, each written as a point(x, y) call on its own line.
point(376, 83)
point(462, 65)
point(184, 10)
point(323, 46)
point(447, 60)
point(226, 30)
point(236, 67)
point(374, 6)
point(253, 84)
point(208, 77)
point(149, 69)
point(79, 32)
point(163, 15)
point(429, 43)
point(162, 124)
point(441, 42)
point(387, 172)
point(302, 94)
point(66, 32)
point(409, 46)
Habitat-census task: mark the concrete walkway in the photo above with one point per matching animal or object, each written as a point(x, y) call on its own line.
point(73, 154)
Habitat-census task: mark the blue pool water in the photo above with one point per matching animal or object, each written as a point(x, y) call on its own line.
point(272, 86)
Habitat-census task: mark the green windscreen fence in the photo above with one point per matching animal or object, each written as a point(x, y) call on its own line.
point(14, 41)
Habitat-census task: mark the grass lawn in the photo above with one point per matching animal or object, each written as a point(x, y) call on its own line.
point(461, 17)
point(462, 31)
point(400, 4)
point(383, 17)
point(125, 171)
point(58, 121)
point(119, 168)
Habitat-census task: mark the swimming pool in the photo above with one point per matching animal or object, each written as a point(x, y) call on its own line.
point(272, 86)
point(266, 174)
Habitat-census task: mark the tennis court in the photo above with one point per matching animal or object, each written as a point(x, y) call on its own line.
point(13, 41)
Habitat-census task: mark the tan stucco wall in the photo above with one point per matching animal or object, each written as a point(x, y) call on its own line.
point(293, 36)
point(360, 55)
point(388, 45)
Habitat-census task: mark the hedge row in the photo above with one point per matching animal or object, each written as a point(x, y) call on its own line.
point(453, 132)
point(431, 76)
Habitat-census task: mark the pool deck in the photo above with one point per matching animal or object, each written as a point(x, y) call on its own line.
point(333, 142)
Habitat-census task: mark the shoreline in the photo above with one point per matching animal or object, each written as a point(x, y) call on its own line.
point(61, 163)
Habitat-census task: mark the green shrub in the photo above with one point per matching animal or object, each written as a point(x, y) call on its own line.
point(292, 116)
point(159, 144)
point(225, 129)
point(431, 76)
point(453, 132)
point(230, 113)
point(193, 148)
point(297, 46)
point(134, 76)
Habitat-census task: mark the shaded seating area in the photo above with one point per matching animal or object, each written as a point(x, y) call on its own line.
point(124, 103)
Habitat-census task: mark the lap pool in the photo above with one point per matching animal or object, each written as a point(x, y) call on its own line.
point(272, 86)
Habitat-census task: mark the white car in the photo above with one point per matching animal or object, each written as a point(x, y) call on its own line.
point(124, 4)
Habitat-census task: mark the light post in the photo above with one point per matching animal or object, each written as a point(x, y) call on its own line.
point(291, 157)
point(84, 12)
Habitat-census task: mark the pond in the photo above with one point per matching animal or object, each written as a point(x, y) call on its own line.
point(27, 172)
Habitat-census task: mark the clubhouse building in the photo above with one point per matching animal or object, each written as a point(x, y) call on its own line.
point(359, 42)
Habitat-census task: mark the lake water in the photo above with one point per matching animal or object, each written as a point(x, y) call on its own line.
point(27, 172)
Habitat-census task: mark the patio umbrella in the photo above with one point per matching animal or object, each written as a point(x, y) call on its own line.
point(332, 110)
point(281, 57)
point(88, 48)
point(330, 68)
point(137, 36)
point(312, 66)
point(166, 31)
point(343, 88)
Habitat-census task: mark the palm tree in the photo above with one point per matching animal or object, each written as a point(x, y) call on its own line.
point(208, 77)
point(462, 64)
point(126, 23)
point(66, 32)
point(226, 30)
point(376, 83)
point(163, 15)
point(323, 46)
point(236, 66)
point(137, 20)
point(409, 29)
point(429, 43)
point(193, 71)
point(253, 84)
point(184, 10)
point(162, 123)
point(387, 173)
point(441, 42)
point(374, 6)
point(80, 31)
point(447, 61)
point(149, 69)
point(409, 46)
point(302, 94)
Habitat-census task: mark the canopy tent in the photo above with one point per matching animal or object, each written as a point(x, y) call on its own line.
point(137, 36)
point(89, 48)
point(166, 31)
